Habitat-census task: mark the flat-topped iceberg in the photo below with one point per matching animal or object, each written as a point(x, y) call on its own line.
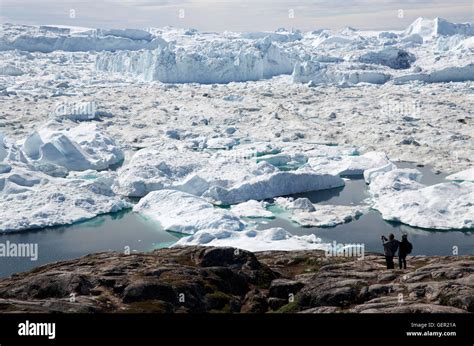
point(349, 165)
point(399, 196)
point(31, 199)
point(184, 213)
point(252, 209)
point(273, 185)
point(253, 240)
point(441, 206)
point(327, 215)
point(207, 62)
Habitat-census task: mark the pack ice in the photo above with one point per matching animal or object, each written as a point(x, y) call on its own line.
point(345, 57)
point(40, 180)
point(399, 196)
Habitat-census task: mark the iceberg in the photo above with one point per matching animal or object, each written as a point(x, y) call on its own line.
point(442, 206)
point(185, 213)
point(327, 215)
point(277, 239)
point(273, 185)
point(76, 149)
point(208, 62)
point(252, 209)
point(46, 39)
point(31, 199)
point(349, 165)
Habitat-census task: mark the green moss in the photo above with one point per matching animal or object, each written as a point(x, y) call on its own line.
point(289, 308)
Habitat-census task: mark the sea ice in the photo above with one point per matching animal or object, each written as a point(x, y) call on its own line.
point(349, 165)
point(32, 199)
point(273, 185)
point(327, 215)
point(252, 209)
point(253, 240)
point(466, 175)
point(441, 206)
point(184, 213)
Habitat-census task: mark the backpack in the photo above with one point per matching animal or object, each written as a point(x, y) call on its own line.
point(409, 247)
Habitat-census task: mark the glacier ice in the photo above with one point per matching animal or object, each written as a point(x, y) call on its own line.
point(206, 63)
point(185, 213)
point(253, 240)
point(441, 206)
point(349, 165)
point(327, 215)
point(273, 185)
point(252, 209)
point(466, 175)
point(32, 199)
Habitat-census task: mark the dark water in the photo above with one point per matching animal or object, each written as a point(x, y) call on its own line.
point(127, 229)
point(107, 232)
point(370, 227)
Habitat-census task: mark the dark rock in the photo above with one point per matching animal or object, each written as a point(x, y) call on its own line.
point(282, 288)
point(146, 290)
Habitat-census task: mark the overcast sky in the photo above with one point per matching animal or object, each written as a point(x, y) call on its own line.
point(235, 15)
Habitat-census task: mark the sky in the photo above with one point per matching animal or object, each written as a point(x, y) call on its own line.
point(234, 15)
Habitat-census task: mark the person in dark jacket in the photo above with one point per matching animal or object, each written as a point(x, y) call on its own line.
point(403, 250)
point(390, 247)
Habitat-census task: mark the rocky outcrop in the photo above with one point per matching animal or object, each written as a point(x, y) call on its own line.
point(204, 279)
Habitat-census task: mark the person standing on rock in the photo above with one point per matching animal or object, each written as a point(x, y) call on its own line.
point(404, 249)
point(390, 247)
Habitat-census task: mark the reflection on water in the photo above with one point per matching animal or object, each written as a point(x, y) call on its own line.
point(370, 227)
point(127, 229)
point(103, 233)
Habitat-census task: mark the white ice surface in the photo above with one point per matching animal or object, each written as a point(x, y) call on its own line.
point(30, 200)
point(466, 175)
point(252, 209)
point(252, 240)
point(184, 213)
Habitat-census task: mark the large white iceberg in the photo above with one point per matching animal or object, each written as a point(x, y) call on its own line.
point(185, 213)
point(31, 199)
point(441, 206)
point(273, 185)
point(207, 63)
point(349, 165)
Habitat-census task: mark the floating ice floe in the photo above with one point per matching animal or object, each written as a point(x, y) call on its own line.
point(349, 165)
point(466, 175)
point(399, 196)
point(184, 213)
point(10, 70)
point(327, 215)
point(31, 199)
point(252, 209)
point(253, 240)
point(273, 185)
point(298, 204)
point(441, 206)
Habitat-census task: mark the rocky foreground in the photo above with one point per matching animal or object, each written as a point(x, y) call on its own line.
point(197, 279)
